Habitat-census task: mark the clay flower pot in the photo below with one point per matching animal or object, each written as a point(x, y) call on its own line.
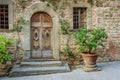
point(90, 62)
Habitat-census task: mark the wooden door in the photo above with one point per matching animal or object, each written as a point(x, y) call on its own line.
point(41, 27)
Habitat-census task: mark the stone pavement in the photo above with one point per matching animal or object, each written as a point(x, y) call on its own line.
point(110, 71)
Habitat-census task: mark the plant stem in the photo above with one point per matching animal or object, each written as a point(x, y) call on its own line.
point(90, 50)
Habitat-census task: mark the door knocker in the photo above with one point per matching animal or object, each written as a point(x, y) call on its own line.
point(36, 37)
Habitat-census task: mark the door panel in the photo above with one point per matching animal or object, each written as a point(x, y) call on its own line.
point(36, 38)
point(46, 38)
point(41, 27)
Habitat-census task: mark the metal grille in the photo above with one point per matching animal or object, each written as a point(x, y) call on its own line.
point(4, 17)
point(79, 17)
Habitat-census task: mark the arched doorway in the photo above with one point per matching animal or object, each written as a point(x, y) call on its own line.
point(41, 36)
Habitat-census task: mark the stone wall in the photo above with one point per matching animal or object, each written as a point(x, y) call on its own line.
point(104, 15)
point(107, 15)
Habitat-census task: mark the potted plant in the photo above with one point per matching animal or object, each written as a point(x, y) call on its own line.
point(4, 53)
point(87, 43)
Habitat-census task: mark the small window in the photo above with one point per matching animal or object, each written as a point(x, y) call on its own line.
point(79, 17)
point(4, 17)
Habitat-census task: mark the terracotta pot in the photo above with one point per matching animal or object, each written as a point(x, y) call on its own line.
point(90, 62)
point(89, 59)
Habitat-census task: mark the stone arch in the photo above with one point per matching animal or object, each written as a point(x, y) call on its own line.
point(37, 7)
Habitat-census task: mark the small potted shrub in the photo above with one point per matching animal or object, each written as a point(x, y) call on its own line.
point(87, 43)
point(4, 53)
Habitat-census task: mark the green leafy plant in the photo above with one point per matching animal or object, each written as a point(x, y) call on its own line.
point(4, 43)
point(19, 24)
point(67, 51)
point(89, 40)
point(65, 27)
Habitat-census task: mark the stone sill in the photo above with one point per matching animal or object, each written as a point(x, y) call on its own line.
point(6, 30)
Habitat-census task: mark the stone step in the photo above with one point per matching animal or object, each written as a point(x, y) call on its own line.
point(28, 71)
point(41, 63)
point(38, 60)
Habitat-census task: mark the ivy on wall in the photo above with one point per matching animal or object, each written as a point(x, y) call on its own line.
point(98, 3)
point(56, 3)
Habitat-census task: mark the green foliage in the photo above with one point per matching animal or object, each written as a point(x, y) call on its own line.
point(4, 43)
point(67, 51)
point(4, 58)
point(17, 27)
point(89, 40)
point(54, 3)
point(91, 2)
point(19, 24)
point(65, 27)
point(22, 3)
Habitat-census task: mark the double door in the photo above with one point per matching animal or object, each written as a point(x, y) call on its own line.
point(41, 35)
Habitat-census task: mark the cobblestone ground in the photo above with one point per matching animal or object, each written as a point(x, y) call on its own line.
point(110, 71)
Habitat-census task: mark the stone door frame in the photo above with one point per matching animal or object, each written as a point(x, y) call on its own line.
point(41, 7)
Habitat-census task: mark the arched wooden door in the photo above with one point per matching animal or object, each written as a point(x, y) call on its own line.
point(41, 27)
